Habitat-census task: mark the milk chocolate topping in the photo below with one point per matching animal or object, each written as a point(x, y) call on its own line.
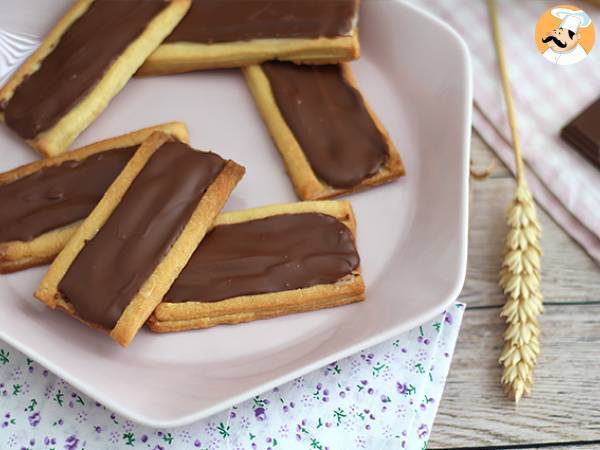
point(278, 253)
point(213, 21)
point(583, 133)
point(59, 195)
point(81, 57)
point(112, 267)
point(329, 120)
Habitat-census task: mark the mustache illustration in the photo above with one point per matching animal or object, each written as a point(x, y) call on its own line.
point(556, 41)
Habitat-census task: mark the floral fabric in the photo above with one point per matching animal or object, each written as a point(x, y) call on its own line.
point(384, 397)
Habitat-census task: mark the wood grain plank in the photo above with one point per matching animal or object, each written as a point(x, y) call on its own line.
point(568, 273)
point(565, 407)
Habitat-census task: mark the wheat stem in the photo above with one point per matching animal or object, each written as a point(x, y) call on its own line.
point(520, 276)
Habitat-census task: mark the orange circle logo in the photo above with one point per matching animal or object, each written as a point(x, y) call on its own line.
point(565, 35)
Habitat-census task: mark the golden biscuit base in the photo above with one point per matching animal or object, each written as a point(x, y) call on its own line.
point(193, 314)
point(178, 57)
point(158, 283)
point(19, 255)
point(306, 183)
point(57, 139)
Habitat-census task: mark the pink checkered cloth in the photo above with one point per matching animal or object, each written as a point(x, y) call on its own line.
point(547, 96)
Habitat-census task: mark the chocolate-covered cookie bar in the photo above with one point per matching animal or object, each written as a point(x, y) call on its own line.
point(329, 138)
point(85, 60)
point(124, 257)
point(43, 202)
point(266, 262)
point(236, 33)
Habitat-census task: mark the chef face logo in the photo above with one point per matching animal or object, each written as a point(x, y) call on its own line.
point(565, 35)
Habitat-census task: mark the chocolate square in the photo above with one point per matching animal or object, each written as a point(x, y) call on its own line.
point(583, 133)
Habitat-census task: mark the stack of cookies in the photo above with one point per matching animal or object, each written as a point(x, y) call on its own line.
point(132, 225)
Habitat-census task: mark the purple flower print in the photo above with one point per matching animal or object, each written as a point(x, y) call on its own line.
point(128, 426)
point(422, 431)
point(12, 440)
point(367, 358)
point(197, 443)
point(244, 422)
point(448, 318)
point(321, 393)
point(185, 437)
point(402, 388)
point(355, 366)
point(284, 430)
point(71, 443)
point(422, 355)
point(401, 410)
point(307, 400)
point(158, 447)
point(423, 340)
point(260, 414)
point(286, 407)
point(48, 392)
point(34, 419)
point(361, 442)
point(387, 431)
point(114, 437)
point(49, 441)
point(16, 374)
point(299, 383)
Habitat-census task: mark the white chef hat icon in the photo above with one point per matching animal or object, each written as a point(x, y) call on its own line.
point(571, 20)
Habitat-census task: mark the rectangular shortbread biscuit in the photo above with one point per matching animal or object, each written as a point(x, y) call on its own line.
point(139, 237)
point(83, 62)
point(19, 254)
point(236, 33)
point(195, 313)
point(331, 141)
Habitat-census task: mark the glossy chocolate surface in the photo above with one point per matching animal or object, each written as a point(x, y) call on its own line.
point(216, 21)
point(112, 267)
point(278, 253)
point(80, 59)
point(583, 133)
point(58, 195)
point(330, 121)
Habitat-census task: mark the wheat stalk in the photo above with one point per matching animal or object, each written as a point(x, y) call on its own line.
point(520, 279)
point(520, 274)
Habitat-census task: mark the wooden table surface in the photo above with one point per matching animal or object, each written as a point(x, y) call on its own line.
point(564, 411)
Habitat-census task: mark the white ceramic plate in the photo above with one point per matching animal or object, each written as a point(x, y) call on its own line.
point(412, 234)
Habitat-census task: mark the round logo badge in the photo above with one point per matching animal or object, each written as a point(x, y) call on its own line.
point(565, 35)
